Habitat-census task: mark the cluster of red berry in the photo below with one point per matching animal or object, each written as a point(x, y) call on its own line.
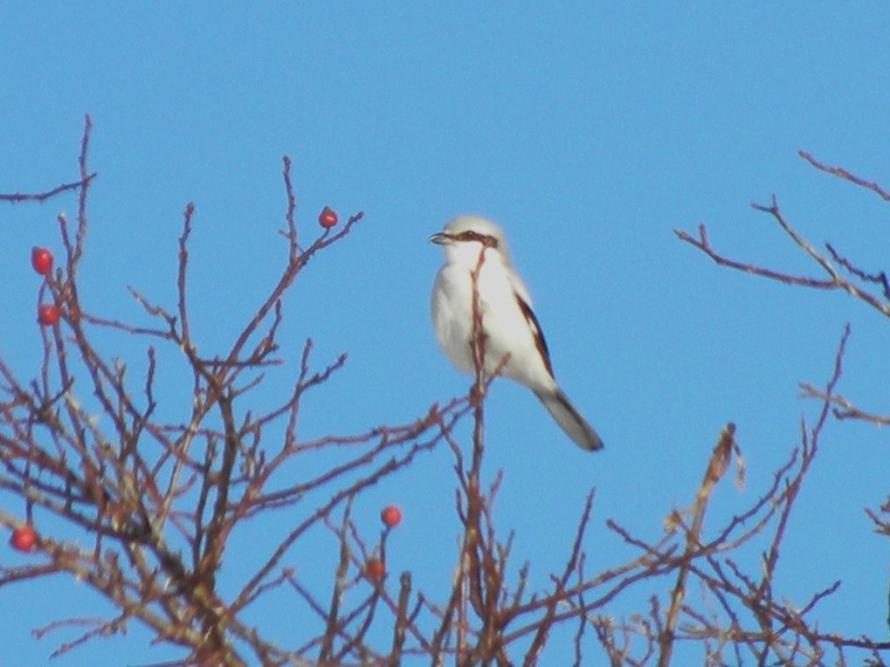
point(48, 314)
point(42, 261)
point(375, 569)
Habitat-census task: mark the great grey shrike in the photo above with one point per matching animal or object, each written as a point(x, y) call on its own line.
point(509, 324)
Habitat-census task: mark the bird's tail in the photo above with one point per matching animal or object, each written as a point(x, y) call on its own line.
point(570, 420)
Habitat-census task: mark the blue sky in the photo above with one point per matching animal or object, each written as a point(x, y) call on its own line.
point(590, 131)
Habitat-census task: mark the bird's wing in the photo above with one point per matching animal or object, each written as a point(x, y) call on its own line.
point(517, 285)
point(535, 328)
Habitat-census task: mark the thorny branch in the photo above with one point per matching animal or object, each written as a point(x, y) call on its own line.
point(870, 287)
point(162, 498)
point(716, 469)
point(840, 172)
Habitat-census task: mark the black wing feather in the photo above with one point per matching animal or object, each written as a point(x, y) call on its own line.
point(535, 326)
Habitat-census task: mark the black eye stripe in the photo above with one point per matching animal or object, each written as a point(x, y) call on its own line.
point(484, 239)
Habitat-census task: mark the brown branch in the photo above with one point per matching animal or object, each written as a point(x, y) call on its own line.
point(288, 276)
point(293, 248)
point(560, 583)
point(161, 512)
point(879, 278)
point(43, 196)
point(704, 245)
point(182, 274)
point(402, 621)
point(835, 281)
point(333, 624)
point(844, 409)
point(717, 466)
point(840, 172)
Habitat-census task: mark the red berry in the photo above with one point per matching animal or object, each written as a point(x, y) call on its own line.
point(327, 218)
point(391, 516)
point(48, 314)
point(41, 260)
point(23, 539)
point(375, 569)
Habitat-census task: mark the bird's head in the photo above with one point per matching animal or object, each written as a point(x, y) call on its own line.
point(464, 237)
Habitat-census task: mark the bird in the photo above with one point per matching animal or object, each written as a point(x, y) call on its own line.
point(509, 325)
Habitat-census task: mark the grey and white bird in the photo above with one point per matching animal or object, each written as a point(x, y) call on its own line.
point(508, 321)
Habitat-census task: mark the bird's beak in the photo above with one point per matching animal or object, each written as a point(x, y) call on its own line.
point(440, 239)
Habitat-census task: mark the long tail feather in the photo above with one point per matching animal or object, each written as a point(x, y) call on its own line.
point(570, 420)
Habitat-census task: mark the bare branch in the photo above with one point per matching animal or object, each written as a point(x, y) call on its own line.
point(840, 172)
